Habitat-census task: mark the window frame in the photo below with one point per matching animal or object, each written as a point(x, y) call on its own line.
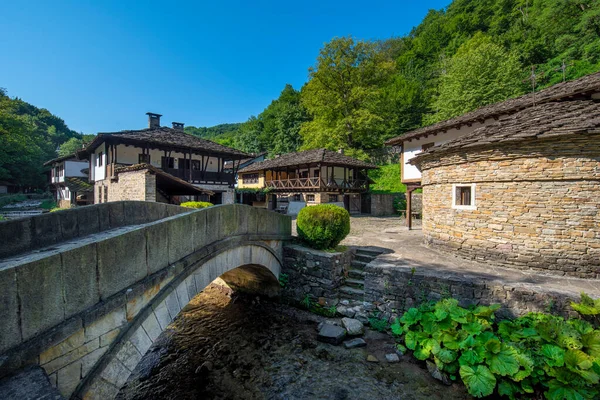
point(308, 196)
point(473, 188)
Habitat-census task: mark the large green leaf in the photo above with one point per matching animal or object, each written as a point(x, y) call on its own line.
point(560, 391)
point(410, 340)
point(509, 389)
point(479, 380)
point(472, 328)
point(554, 356)
point(446, 356)
point(459, 314)
point(493, 346)
point(505, 362)
point(576, 359)
point(470, 357)
point(591, 344)
point(421, 353)
point(396, 328)
point(431, 345)
point(411, 317)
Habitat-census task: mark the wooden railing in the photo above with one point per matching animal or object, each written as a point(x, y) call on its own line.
point(317, 184)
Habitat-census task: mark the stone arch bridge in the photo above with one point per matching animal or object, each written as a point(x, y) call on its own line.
point(85, 292)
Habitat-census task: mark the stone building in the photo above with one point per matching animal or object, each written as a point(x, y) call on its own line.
point(69, 181)
point(160, 164)
point(296, 180)
point(415, 142)
point(523, 189)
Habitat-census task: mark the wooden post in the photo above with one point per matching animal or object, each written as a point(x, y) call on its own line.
point(409, 208)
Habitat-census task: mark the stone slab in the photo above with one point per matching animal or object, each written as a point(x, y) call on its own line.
point(40, 286)
point(157, 246)
point(31, 383)
point(129, 355)
point(80, 281)
point(354, 343)
point(331, 334)
point(68, 378)
point(121, 261)
point(10, 334)
point(19, 232)
point(105, 324)
point(353, 326)
point(180, 236)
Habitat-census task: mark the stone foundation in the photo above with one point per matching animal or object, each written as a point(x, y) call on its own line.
point(391, 289)
point(315, 273)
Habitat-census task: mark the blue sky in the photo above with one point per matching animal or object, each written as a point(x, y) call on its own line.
point(101, 65)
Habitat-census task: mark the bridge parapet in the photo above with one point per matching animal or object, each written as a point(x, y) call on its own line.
point(38, 231)
point(67, 307)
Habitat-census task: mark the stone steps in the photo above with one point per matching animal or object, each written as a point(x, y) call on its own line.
point(356, 283)
point(364, 258)
point(368, 252)
point(356, 274)
point(359, 265)
point(350, 293)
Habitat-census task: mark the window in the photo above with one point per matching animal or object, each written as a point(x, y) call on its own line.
point(310, 198)
point(303, 174)
point(316, 173)
point(99, 194)
point(99, 159)
point(250, 178)
point(463, 196)
point(196, 165)
point(297, 197)
point(144, 159)
point(333, 198)
point(106, 194)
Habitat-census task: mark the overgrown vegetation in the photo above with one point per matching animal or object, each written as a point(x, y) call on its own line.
point(196, 204)
point(29, 137)
point(323, 226)
point(378, 324)
point(387, 179)
point(317, 308)
point(533, 354)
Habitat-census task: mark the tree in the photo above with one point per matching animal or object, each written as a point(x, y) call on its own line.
point(480, 73)
point(277, 129)
point(74, 144)
point(343, 96)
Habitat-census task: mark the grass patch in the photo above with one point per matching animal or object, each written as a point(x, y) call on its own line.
point(48, 204)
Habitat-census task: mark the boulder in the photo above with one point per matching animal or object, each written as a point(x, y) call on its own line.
point(437, 374)
point(372, 358)
point(392, 358)
point(346, 311)
point(353, 326)
point(362, 317)
point(331, 334)
point(354, 343)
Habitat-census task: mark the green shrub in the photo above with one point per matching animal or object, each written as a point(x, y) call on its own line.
point(532, 354)
point(196, 204)
point(323, 226)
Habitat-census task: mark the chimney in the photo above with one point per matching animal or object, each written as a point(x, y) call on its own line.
point(153, 120)
point(178, 125)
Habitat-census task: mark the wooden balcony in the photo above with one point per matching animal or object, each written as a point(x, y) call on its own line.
point(317, 185)
point(199, 177)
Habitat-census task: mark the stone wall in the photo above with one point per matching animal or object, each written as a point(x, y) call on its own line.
point(395, 288)
point(383, 204)
point(537, 205)
point(313, 272)
point(391, 289)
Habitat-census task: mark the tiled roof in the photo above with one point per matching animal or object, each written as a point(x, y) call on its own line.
point(78, 185)
point(541, 121)
point(63, 158)
point(316, 156)
point(582, 86)
point(167, 137)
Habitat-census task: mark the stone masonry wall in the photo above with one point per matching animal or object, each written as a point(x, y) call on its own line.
point(391, 289)
point(313, 272)
point(533, 211)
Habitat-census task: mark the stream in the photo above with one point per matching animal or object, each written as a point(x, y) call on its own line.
point(229, 346)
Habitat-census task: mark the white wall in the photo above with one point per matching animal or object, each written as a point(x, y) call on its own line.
point(99, 171)
point(412, 148)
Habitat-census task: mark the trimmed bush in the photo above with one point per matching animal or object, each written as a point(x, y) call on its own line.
point(323, 226)
point(196, 204)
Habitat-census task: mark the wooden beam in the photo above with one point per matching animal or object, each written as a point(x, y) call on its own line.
point(409, 209)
